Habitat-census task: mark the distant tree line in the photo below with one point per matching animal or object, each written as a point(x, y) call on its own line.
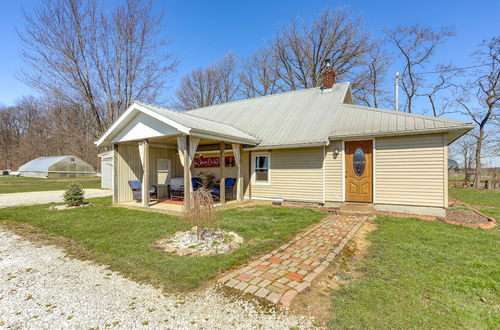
point(90, 62)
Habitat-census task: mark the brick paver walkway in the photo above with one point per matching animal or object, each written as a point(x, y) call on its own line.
point(280, 275)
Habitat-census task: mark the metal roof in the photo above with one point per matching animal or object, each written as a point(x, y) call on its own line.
point(199, 124)
point(41, 164)
point(183, 122)
point(292, 118)
point(313, 116)
point(356, 120)
point(299, 118)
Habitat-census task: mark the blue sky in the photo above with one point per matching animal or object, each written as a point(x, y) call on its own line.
point(203, 31)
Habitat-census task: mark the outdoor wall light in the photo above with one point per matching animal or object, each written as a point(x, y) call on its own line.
point(336, 152)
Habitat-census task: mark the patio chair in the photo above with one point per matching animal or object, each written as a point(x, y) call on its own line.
point(136, 186)
point(230, 189)
point(196, 183)
point(176, 187)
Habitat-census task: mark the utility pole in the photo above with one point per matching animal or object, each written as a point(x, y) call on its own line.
point(396, 88)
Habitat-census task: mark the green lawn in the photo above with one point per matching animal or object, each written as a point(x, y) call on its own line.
point(121, 238)
point(14, 184)
point(488, 198)
point(424, 274)
point(477, 196)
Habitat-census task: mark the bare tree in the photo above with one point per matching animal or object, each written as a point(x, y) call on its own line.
point(259, 76)
point(463, 149)
point(301, 49)
point(369, 89)
point(416, 44)
point(197, 89)
point(444, 81)
point(10, 132)
point(215, 84)
point(294, 59)
point(83, 54)
point(227, 80)
point(480, 97)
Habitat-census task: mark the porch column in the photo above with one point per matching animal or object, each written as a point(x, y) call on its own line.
point(144, 153)
point(222, 163)
point(114, 178)
point(186, 206)
point(239, 178)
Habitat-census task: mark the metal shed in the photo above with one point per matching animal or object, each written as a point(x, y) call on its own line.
point(57, 167)
point(106, 169)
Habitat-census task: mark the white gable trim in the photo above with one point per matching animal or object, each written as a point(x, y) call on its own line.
point(143, 126)
point(129, 114)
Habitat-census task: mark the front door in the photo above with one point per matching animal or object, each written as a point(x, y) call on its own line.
point(358, 171)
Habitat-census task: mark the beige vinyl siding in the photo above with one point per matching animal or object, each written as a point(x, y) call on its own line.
point(333, 172)
point(411, 170)
point(296, 174)
point(129, 167)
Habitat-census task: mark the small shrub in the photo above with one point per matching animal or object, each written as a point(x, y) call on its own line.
point(74, 196)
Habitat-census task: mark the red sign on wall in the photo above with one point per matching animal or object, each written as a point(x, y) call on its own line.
point(213, 162)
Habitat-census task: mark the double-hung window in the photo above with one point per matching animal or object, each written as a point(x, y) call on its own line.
point(261, 164)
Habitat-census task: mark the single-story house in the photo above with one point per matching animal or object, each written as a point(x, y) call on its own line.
point(57, 167)
point(312, 145)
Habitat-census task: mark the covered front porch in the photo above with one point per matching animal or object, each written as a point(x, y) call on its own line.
point(161, 158)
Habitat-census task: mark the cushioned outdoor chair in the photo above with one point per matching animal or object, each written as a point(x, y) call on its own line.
point(136, 186)
point(176, 187)
point(196, 183)
point(230, 189)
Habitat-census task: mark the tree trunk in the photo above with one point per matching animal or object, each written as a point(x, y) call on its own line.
point(477, 174)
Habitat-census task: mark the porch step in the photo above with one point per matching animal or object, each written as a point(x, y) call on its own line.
point(356, 209)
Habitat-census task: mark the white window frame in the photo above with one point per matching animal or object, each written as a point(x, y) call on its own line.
point(260, 182)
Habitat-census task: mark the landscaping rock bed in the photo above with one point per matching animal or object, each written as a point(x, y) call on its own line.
point(67, 207)
point(212, 242)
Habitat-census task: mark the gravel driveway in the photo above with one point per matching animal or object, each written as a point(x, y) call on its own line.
point(44, 197)
point(42, 288)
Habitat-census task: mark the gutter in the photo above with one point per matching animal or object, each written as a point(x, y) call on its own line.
point(397, 133)
point(289, 146)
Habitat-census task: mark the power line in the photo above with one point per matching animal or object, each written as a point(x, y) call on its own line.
point(454, 69)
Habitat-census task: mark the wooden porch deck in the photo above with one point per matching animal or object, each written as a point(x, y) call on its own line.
point(174, 207)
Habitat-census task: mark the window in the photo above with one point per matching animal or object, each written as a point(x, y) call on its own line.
point(358, 162)
point(261, 168)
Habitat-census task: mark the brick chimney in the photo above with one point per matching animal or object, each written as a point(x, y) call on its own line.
point(328, 75)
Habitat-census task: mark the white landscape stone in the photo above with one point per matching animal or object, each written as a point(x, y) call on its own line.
point(213, 242)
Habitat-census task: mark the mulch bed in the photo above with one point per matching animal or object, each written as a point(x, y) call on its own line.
point(468, 216)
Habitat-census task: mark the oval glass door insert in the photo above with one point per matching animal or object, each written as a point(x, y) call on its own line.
point(358, 162)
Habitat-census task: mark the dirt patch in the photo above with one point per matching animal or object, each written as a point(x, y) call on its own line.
point(316, 300)
point(466, 216)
